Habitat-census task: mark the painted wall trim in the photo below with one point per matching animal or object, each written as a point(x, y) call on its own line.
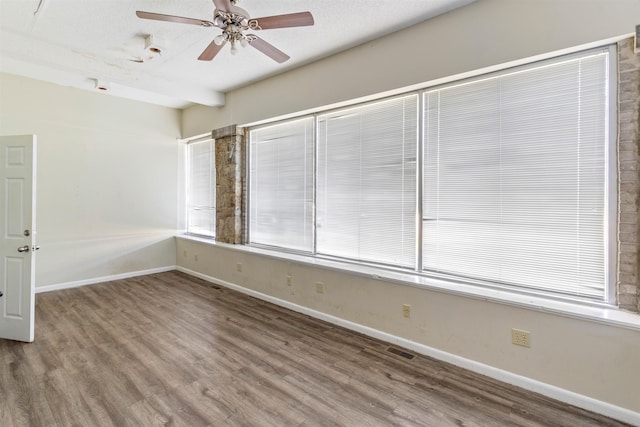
point(95, 280)
point(548, 390)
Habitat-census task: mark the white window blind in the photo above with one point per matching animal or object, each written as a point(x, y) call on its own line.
point(201, 188)
point(366, 182)
point(515, 177)
point(281, 185)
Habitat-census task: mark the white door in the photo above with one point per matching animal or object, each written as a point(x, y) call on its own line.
point(17, 238)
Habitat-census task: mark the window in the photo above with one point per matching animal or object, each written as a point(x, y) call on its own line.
point(366, 182)
point(515, 177)
point(513, 173)
point(281, 185)
point(201, 187)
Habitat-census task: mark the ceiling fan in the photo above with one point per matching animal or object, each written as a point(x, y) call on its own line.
point(234, 21)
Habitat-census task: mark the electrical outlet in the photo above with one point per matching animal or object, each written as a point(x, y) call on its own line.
point(289, 280)
point(184, 253)
point(320, 287)
point(195, 257)
point(239, 267)
point(406, 310)
point(520, 337)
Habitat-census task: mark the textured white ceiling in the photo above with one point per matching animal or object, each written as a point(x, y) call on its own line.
point(75, 42)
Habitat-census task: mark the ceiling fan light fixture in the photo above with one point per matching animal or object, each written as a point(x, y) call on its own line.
point(233, 21)
point(221, 39)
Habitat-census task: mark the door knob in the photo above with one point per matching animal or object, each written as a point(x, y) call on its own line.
point(24, 248)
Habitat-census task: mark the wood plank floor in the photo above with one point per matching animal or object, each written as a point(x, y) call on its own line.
point(169, 349)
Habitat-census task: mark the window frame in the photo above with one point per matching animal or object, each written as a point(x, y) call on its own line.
point(248, 181)
point(351, 109)
point(611, 193)
point(189, 142)
point(610, 150)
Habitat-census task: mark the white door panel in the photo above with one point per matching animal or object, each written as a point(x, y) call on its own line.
point(17, 237)
point(14, 289)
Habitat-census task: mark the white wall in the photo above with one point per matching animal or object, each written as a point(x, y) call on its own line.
point(591, 359)
point(484, 33)
point(106, 184)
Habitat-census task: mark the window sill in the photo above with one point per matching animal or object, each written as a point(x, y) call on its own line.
point(606, 315)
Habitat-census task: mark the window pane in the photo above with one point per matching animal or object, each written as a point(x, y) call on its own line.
point(514, 177)
point(201, 185)
point(366, 188)
point(281, 185)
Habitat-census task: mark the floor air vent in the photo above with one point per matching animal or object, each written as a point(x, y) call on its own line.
point(401, 353)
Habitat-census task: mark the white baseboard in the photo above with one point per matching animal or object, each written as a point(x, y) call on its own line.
point(526, 383)
point(93, 281)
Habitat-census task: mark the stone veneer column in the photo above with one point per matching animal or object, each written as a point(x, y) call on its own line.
point(628, 283)
point(230, 164)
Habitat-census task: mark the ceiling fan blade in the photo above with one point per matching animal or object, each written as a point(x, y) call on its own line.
point(267, 48)
point(223, 5)
point(211, 51)
point(173, 18)
point(300, 19)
